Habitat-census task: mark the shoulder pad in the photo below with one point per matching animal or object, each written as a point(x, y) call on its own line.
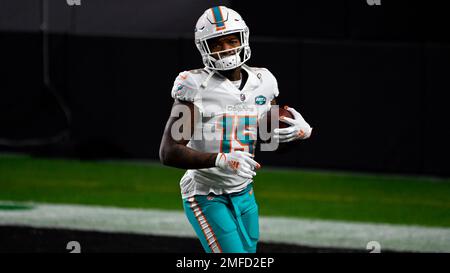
point(268, 76)
point(187, 84)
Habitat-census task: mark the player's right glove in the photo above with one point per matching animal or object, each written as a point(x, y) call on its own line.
point(238, 162)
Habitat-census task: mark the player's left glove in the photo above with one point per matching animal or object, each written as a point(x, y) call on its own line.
point(298, 129)
point(238, 162)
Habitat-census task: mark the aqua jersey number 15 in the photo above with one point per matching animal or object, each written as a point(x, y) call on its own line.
point(238, 133)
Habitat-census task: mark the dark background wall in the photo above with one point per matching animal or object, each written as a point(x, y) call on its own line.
point(371, 80)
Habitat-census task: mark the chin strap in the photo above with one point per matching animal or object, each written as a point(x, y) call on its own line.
point(205, 82)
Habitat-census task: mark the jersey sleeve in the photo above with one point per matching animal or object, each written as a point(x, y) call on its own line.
point(273, 83)
point(276, 92)
point(185, 87)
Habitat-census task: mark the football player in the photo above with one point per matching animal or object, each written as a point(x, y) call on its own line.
point(212, 133)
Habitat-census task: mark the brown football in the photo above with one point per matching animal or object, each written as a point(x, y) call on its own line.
point(284, 113)
point(281, 112)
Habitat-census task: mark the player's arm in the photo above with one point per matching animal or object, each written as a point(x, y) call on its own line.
point(298, 129)
point(175, 153)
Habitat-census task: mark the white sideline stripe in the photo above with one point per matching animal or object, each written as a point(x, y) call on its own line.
point(306, 232)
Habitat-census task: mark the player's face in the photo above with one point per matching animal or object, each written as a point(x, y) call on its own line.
point(224, 43)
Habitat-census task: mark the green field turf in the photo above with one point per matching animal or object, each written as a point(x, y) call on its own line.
point(292, 193)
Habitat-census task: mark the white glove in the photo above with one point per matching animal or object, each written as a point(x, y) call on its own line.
point(298, 129)
point(238, 162)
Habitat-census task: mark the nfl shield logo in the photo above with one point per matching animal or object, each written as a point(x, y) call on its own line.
point(242, 97)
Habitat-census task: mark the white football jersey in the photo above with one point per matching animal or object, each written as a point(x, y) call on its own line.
point(228, 122)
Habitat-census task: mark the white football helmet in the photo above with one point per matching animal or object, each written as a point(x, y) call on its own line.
point(220, 21)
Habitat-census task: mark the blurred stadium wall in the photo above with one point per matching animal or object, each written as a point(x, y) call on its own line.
point(371, 80)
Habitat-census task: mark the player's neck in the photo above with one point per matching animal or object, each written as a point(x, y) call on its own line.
point(233, 74)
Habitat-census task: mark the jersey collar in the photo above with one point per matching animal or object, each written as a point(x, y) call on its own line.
point(253, 81)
